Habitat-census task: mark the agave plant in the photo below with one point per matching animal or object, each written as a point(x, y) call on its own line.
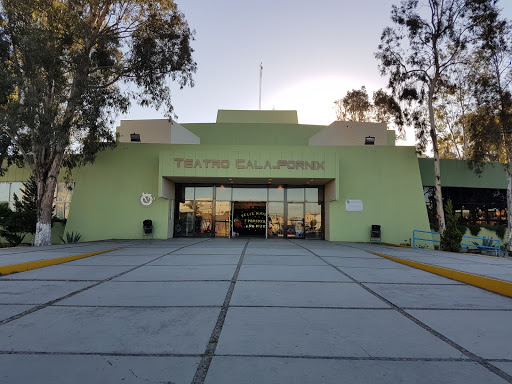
point(71, 237)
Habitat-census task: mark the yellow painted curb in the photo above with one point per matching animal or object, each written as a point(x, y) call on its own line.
point(494, 285)
point(397, 245)
point(22, 267)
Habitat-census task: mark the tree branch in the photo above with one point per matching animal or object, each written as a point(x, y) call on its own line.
point(26, 157)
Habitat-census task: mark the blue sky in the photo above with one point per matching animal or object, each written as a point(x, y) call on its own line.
point(312, 54)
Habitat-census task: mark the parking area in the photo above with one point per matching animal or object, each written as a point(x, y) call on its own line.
point(251, 311)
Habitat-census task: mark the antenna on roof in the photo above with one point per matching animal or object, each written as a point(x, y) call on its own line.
point(261, 76)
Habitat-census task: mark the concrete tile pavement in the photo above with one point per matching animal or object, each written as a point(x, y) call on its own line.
point(249, 311)
point(493, 267)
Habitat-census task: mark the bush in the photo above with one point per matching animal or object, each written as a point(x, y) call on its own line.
point(474, 229)
point(451, 238)
point(10, 227)
point(462, 228)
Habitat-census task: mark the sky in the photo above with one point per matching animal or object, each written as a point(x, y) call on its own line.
point(312, 54)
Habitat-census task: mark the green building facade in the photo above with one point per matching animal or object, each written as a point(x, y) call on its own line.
point(260, 174)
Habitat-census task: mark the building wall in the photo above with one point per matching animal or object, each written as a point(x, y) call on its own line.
point(156, 131)
point(456, 173)
point(106, 201)
point(348, 133)
point(387, 180)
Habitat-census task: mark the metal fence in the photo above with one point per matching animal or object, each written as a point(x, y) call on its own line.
point(486, 243)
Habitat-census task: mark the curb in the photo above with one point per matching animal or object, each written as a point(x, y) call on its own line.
point(488, 283)
point(397, 245)
point(27, 266)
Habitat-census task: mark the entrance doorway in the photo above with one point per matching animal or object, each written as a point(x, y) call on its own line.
point(249, 218)
point(244, 210)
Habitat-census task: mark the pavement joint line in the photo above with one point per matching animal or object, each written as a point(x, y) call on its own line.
point(29, 265)
point(51, 302)
point(472, 356)
point(297, 357)
point(351, 358)
point(309, 307)
point(100, 354)
point(133, 306)
point(494, 285)
point(206, 360)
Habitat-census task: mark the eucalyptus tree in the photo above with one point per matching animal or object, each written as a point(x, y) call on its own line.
point(354, 106)
point(490, 124)
point(417, 53)
point(453, 105)
point(357, 106)
point(67, 67)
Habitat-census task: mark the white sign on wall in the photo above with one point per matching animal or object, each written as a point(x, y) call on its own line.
point(146, 199)
point(354, 205)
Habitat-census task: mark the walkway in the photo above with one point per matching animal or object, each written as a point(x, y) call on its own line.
point(258, 311)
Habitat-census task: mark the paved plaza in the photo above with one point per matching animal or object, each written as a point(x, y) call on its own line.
point(251, 311)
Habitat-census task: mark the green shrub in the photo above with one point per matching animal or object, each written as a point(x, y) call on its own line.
point(451, 238)
point(500, 231)
point(474, 229)
point(462, 228)
point(11, 228)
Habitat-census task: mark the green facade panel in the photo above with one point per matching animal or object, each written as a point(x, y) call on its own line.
point(387, 180)
point(457, 173)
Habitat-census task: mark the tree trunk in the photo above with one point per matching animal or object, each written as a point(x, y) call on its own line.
point(46, 185)
point(509, 207)
point(437, 167)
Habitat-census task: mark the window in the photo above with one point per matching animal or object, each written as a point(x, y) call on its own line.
point(471, 205)
point(63, 194)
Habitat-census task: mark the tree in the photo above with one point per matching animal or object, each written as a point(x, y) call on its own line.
point(10, 228)
point(418, 53)
point(356, 106)
point(25, 209)
point(451, 238)
point(62, 64)
point(490, 124)
point(451, 108)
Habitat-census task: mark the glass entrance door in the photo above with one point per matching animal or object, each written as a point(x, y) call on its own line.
point(295, 221)
point(222, 218)
point(203, 218)
point(249, 218)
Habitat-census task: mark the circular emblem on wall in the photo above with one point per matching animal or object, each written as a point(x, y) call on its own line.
point(146, 199)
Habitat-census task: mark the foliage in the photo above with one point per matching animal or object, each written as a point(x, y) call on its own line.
point(62, 64)
point(71, 238)
point(451, 238)
point(25, 209)
point(10, 228)
point(500, 231)
point(462, 228)
point(490, 122)
point(356, 106)
point(406, 242)
point(419, 53)
point(486, 243)
point(474, 229)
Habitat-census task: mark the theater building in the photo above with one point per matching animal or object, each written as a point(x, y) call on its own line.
point(262, 174)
